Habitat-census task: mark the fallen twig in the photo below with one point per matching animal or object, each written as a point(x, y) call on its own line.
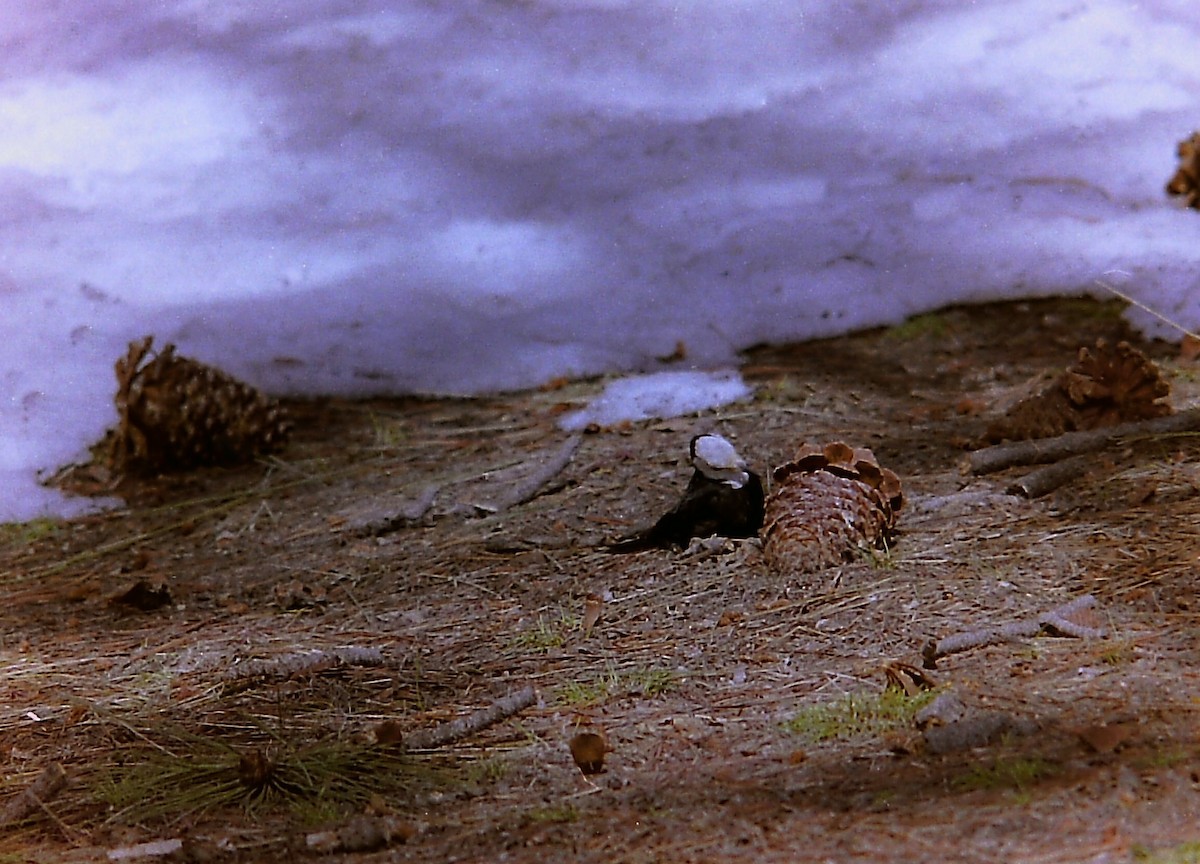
point(476, 721)
point(1046, 479)
point(529, 487)
point(34, 796)
point(1041, 450)
point(1056, 621)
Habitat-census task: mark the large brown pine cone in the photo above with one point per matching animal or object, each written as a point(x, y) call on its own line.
point(829, 505)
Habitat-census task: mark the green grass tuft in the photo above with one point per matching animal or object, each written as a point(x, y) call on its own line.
point(649, 682)
point(933, 325)
point(545, 635)
point(24, 533)
point(1013, 774)
point(857, 714)
point(560, 814)
point(1184, 853)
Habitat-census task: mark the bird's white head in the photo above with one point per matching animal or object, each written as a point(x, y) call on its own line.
point(715, 458)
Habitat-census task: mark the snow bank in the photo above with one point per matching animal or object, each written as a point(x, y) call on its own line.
point(456, 198)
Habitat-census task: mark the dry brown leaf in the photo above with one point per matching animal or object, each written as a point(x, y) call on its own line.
point(912, 680)
point(144, 596)
point(588, 749)
point(729, 617)
point(1106, 738)
point(593, 608)
point(297, 594)
point(389, 733)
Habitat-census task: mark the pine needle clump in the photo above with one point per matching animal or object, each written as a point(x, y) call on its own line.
point(317, 782)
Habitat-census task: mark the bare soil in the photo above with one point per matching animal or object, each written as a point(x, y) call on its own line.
point(700, 669)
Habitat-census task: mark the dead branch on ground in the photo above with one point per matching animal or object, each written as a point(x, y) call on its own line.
point(1041, 450)
point(1046, 479)
point(392, 514)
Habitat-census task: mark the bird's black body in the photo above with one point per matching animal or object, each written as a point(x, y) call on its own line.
point(708, 507)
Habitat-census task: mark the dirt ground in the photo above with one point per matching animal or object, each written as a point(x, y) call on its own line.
point(215, 664)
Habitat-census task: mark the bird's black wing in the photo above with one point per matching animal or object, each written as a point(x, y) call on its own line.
point(707, 507)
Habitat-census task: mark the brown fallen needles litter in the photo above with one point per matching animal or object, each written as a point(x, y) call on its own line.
point(229, 725)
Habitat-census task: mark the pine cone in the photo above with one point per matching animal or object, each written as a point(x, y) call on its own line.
point(830, 505)
point(176, 413)
point(1106, 386)
point(1115, 385)
point(1186, 181)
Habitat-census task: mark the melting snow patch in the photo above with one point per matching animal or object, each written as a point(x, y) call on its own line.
point(659, 395)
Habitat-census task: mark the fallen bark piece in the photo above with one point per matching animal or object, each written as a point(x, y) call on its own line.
point(151, 849)
point(944, 709)
point(29, 800)
point(360, 834)
point(1042, 450)
point(975, 730)
point(469, 724)
point(1065, 620)
point(301, 663)
point(383, 517)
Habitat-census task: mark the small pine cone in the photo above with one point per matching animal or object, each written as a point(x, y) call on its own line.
point(830, 505)
point(176, 413)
